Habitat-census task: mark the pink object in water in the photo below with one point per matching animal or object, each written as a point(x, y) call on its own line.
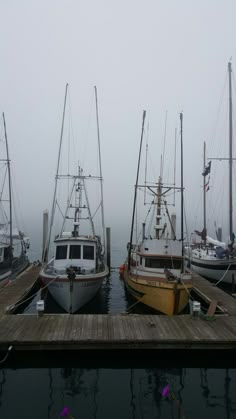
point(65, 411)
point(166, 390)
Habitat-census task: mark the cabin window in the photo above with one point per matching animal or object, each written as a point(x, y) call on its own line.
point(61, 252)
point(75, 252)
point(163, 263)
point(88, 252)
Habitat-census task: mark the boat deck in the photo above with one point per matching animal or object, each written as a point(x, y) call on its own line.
point(114, 332)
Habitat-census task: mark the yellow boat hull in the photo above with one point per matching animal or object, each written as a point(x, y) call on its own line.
point(166, 297)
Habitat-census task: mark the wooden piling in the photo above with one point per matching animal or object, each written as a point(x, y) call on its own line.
point(45, 234)
point(108, 244)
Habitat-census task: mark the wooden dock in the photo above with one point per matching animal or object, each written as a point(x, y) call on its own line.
point(113, 332)
point(110, 333)
point(12, 293)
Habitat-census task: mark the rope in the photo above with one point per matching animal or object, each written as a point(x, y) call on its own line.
point(223, 275)
point(186, 289)
point(34, 295)
point(136, 302)
point(7, 354)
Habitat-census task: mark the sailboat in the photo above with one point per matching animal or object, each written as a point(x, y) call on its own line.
point(13, 242)
point(154, 271)
point(213, 258)
point(76, 271)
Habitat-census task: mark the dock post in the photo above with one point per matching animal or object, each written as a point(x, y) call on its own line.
point(45, 234)
point(108, 249)
point(233, 283)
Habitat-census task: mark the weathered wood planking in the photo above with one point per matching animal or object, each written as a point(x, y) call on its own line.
point(118, 331)
point(88, 331)
point(211, 292)
point(13, 292)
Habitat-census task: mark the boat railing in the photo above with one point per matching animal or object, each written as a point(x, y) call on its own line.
point(50, 269)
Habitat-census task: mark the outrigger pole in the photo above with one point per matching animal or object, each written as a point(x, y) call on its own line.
point(100, 168)
point(135, 191)
point(46, 250)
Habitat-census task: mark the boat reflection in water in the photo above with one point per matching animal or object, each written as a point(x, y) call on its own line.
point(118, 393)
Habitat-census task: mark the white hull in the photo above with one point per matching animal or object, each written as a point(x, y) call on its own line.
point(72, 295)
point(215, 269)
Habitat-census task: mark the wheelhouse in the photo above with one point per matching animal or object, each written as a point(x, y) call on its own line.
point(80, 254)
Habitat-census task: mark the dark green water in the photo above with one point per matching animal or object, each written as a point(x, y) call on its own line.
point(117, 393)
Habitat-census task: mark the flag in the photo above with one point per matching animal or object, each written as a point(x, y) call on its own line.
point(207, 169)
point(207, 187)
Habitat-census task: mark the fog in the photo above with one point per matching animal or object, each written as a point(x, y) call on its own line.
point(165, 57)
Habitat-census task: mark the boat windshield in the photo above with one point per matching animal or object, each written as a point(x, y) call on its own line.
point(61, 252)
point(88, 252)
point(75, 251)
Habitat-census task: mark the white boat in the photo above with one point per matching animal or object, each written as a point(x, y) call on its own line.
point(13, 242)
point(212, 258)
point(154, 272)
point(75, 273)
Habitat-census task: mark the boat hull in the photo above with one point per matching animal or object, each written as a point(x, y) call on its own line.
point(217, 270)
point(71, 295)
point(165, 297)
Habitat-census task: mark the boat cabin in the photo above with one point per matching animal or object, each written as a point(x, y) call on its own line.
point(79, 253)
point(158, 254)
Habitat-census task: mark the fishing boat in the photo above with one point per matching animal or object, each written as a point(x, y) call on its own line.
point(76, 271)
point(13, 242)
point(213, 258)
point(154, 270)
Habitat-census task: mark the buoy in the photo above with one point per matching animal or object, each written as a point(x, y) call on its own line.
point(121, 270)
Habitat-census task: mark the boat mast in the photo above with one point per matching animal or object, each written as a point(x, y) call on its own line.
point(158, 226)
point(175, 164)
point(204, 193)
point(100, 168)
point(230, 155)
point(182, 191)
point(9, 185)
point(78, 204)
point(45, 258)
point(135, 191)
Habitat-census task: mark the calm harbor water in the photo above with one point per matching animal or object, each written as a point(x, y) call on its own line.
point(123, 393)
point(81, 390)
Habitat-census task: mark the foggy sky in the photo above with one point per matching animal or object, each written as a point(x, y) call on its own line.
point(162, 56)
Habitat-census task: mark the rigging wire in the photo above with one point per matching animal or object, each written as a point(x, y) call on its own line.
point(216, 152)
point(45, 251)
point(86, 136)
point(213, 136)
